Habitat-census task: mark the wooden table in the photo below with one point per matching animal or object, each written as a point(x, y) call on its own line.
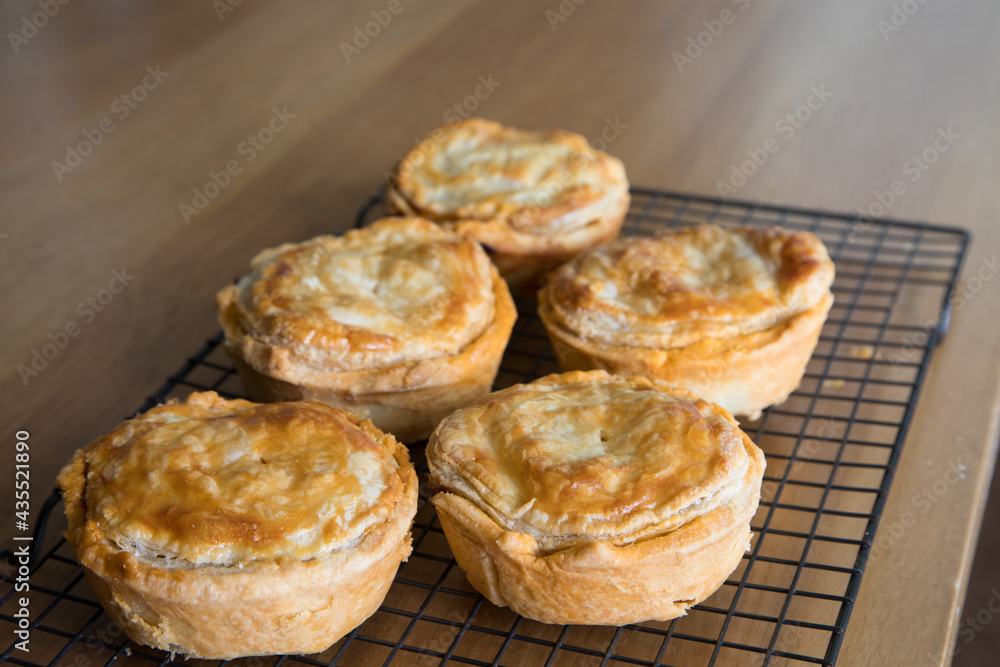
point(156, 98)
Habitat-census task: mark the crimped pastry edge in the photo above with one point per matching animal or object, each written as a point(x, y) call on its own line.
point(744, 374)
point(407, 399)
point(524, 259)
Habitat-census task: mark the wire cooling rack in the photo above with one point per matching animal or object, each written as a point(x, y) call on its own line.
point(831, 448)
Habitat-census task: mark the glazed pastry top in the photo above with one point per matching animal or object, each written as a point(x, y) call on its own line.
point(586, 455)
point(685, 285)
point(227, 483)
point(400, 289)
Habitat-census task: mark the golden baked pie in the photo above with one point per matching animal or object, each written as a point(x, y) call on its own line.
point(732, 315)
point(534, 199)
point(220, 529)
point(400, 322)
point(592, 498)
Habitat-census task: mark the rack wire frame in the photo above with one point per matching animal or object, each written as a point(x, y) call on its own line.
point(832, 449)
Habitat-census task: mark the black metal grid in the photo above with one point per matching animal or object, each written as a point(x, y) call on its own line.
point(832, 448)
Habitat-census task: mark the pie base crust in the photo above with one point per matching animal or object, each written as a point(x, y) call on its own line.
point(273, 606)
point(611, 580)
point(559, 196)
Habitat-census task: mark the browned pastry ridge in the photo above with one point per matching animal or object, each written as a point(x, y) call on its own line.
point(597, 499)
point(400, 322)
point(731, 315)
point(534, 199)
point(220, 529)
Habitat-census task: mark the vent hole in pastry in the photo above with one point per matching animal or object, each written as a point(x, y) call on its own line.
point(603, 435)
point(264, 461)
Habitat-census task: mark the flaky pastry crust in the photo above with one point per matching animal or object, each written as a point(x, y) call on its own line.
point(400, 322)
point(597, 499)
point(220, 529)
point(534, 199)
point(732, 315)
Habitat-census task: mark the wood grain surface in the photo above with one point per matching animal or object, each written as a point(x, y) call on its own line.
point(100, 245)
